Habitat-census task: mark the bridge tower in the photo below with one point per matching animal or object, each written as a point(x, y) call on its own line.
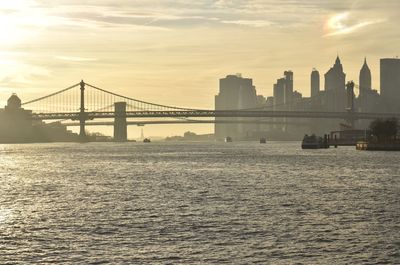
point(82, 113)
point(120, 125)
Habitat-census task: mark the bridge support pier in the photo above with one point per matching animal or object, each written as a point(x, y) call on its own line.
point(82, 130)
point(120, 125)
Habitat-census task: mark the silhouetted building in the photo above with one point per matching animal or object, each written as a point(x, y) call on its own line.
point(238, 93)
point(368, 99)
point(390, 83)
point(297, 96)
point(335, 80)
point(15, 122)
point(235, 92)
point(315, 83)
point(279, 94)
point(288, 96)
point(283, 91)
point(17, 126)
point(13, 103)
point(279, 101)
point(283, 98)
point(365, 78)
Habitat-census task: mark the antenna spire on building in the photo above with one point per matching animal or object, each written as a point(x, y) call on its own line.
point(337, 59)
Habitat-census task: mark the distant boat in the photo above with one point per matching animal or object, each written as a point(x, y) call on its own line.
point(376, 146)
point(263, 140)
point(146, 140)
point(313, 142)
point(228, 139)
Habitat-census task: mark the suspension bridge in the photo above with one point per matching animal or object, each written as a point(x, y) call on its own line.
point(83, 102)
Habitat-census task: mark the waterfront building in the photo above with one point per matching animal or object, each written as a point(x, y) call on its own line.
point(15, 122)
point(283, 98)
point(17, 126)
point(390, 83)
point(235, 92)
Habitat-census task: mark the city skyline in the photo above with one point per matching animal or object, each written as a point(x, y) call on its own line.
point(305, 91)
point(329, 84)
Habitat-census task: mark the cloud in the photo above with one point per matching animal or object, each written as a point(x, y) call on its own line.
point(17, 74)
point(346, 23)
point(169, 14)
point(251, 23)
point(174, 14)
point(75, 59)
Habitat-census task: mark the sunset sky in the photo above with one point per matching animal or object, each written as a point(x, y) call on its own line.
point(174, 52)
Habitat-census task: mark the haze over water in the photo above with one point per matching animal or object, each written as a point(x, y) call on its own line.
point(192, 203)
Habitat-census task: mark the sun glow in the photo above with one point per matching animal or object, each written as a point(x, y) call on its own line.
point(336, 22)
point(20, 19)
point(345, 23)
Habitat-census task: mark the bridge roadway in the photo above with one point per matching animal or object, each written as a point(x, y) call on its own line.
point(149, 122)
point(212, 114)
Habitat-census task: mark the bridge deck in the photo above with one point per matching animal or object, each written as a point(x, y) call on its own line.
point(214, 113)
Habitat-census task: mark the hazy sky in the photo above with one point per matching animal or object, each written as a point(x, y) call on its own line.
point(174, 52)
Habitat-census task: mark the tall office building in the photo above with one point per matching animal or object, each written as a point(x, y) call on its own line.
point(335, 90)
point(390, 83)
point(365, 98)
point(235, 92)
point(288, 91)
point(279, 94)
point(365, 78)
point(315, 83)
point(283, 97)
point(283, 91)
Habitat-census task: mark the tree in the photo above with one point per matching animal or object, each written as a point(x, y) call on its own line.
point(384, 130)
point(189, 135)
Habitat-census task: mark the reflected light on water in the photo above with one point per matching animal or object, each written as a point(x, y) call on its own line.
point(5, 214)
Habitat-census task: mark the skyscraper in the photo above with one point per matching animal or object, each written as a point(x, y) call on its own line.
point(283, 96)
point(335, 80)
point(288, 91)
point(366, 97)
point(390, 83)
point(283, 91)
point(279, 94)
point(315, 83)
point(235, 92)
point(365, 78)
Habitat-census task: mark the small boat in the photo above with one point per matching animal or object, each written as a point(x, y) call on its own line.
point(313, 142)
point(228, 139)
point(377, 146)
point(263, 140)
point(146, 140)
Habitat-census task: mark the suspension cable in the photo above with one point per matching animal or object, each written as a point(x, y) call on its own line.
point(140, 101)
point(53, 94)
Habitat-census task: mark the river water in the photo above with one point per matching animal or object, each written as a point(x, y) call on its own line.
point(198, 203)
